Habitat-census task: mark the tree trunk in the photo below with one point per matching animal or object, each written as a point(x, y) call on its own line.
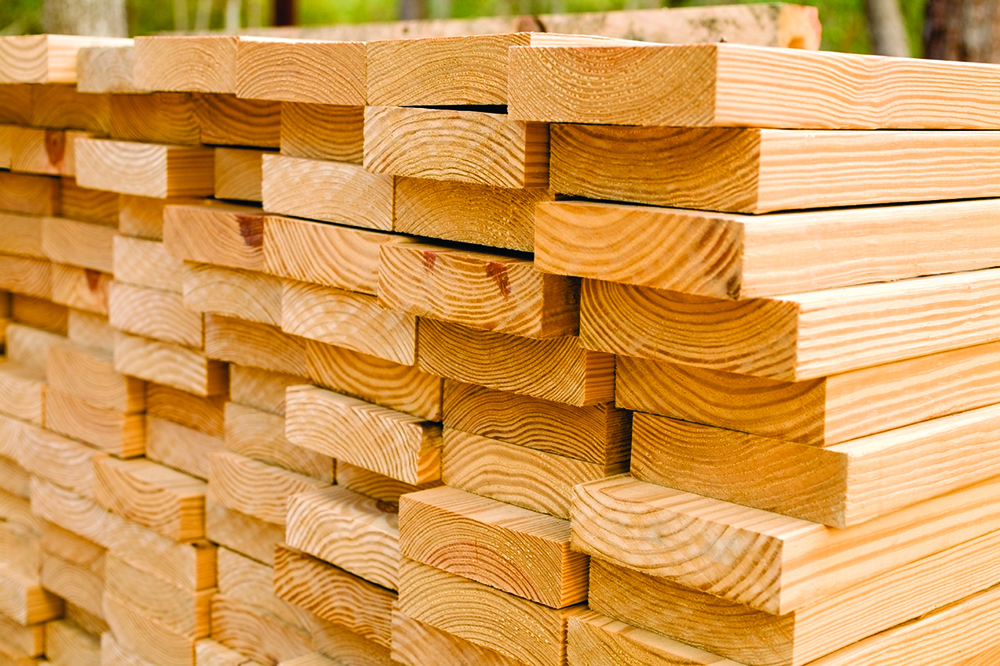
point(887, 28)
point(966, 30)
point(98, 18)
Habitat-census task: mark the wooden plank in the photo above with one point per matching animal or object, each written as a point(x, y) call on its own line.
point(190, 566)
point(348, 530)
point(172, 365)
point(142, 217)
point(257, 489)
point(7, 134)
point(24, 600)
point(517, 475)
point(16, 510)
point(255, 634)
point(795, 337)
point(210, 653)
point(81, 244)
point(205, 414)
point(110, 430)
point(224, 235)
point(348, 319)
point(377, 486)
point(44, 58)
point(15, 104)
point(155, 118)
point(238, 174)
point(328, 191)
point(738, 256)
point(249, 582)
point(194, 64)
point(344, 646)
point(30, 194)
point(260, 389)
point(723, 169)
point(334, 595)
point(59, 460)
point(86, 621)
point(499, 217)
point(146, 263)
point(311, 659)
point(227, 120)
point(23, 275)
point(39, 313)
point(142, 634)
point(261, 435)
point(232, 292)
point(258, 345)
point(302, 71)
point(90, 330)
point(180, 447)
point(42, 151)
point(242, 533)
point(113, 654)
point(63, 107)
point(515, 627)
point(144, 169)
point(28, 639)
point(598, 434)
point(73, 548)
point(830, 559)
point(398, 445)
point(22, 391)
point(21, 235)
point(105, 69)
point(184, 611)
point(80, 288)
point(11, 656)
point(413, 640)
point(85, 205)
point(14, 479)
point(21, 548)
point(491, 542)
point(74, 583)
point(326, 254)
point(557, 369)
point(67, 645)
point(323, 132)
point(162, 499)
point(30, 346)
point(477, 289)
point(467, 146)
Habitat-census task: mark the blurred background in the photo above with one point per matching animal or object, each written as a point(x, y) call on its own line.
point(951, 29)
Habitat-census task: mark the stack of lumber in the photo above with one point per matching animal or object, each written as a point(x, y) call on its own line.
point(499, 349)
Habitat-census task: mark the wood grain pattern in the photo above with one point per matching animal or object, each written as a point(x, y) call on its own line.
point(109, 430)
point(168, 364)
point(105, 69)
point(328, 191)
point(142, 217)
point(477, 289)
point(242, 533)
point(195, 64)
point(517, 475)
point(347, 530)
point(59, 460)
point(225, 235)
point(80, 288)
point(412, 640)
point(556, 369)
point(15, 104)
point(146, 263)
point(597, 433)
point(85, 205)
point(467, 146)
point(404, 388)
point(232, 292)
point(32, 277)
point(14, 478)
point(205, 414)
point(759, 171)
point(302, 71)
point(30, 346)
point(151, 313)
point(515, 627)
point(144, 169)
point(325, 254)
point(238, 174)
point(250, 582)
point(38, 313)
point(252, 487)
point(340, 644)
point(258, 345)
point(403, 447)
point(24, 600)
point(30, 640)
point(789, 554)
point(68, 644)
point(348, 319)
point(74, 583)
point(377, 486)
point(90, 374)
point(256, 634)
point(73, 548)
point(22, 391)
point(493, 543)
point(140, 633)
point(260, 389)
point(41, 151)
point(227, 120)
point(30, 194)
point(323, 132)
point(211, 653)
point(155, 118)
point(334, 595)
point(113, 654)
point(499, 217)
point(21, 235)
point(183, 448)
point(44, 58)
point(261, 435)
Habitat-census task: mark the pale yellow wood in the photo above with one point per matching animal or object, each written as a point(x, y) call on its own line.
point(256, 634)
point(73, 549)
point(183, 611)
point(232, 292)
point(114, 654)
point(225, 235)
point(23, 599)
point(302, 71)
point(242, 533)
point(557, 369)
point(796, 562)
point(59, 460)
point(39, 313)
point(22, 235)
point(195, 64)
point(86, 205)
point(323, 132)
point(21, 548)
point(25, 193)
point(190, 566)
point(512, 549)
point(141, 633)
point(334, 595)
point(30, 346)
point(413, 640)
point(258, 345)
point(344, 646)
point(260, 389)
point(261, 435)
point(42, 151)
point(14, 478)
point(74, 583)
point(376, 486)
point(169, 364)
point(180, 447)
point(348, 319)
point(80, 288)
point(90, 330)
point(110, 430)
point(250, 582)
point(146, 263)
point(238, 174)
point(467, 146)
point(10, 449)
point(155, 118)
point(142, 217)
point(24, 275)
point(144, 169)
point(86, 621)
point(68, 645)
point(500, 217)
point(227, 120)
point(12, 656)
point(348, 530)
point(398, 445)
point(477, 289)
point(14, 509)
point(252, 487)
point(210, 653)
point(311, 659)
point(328, 191)
point(325, 254)
point(404, 388)
point(81, 244)
point(45, 58)
point(105, 69)
point(28, 639)
point(22, 391)
point(205, 414)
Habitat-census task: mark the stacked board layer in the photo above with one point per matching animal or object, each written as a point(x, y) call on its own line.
point(514, 349)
